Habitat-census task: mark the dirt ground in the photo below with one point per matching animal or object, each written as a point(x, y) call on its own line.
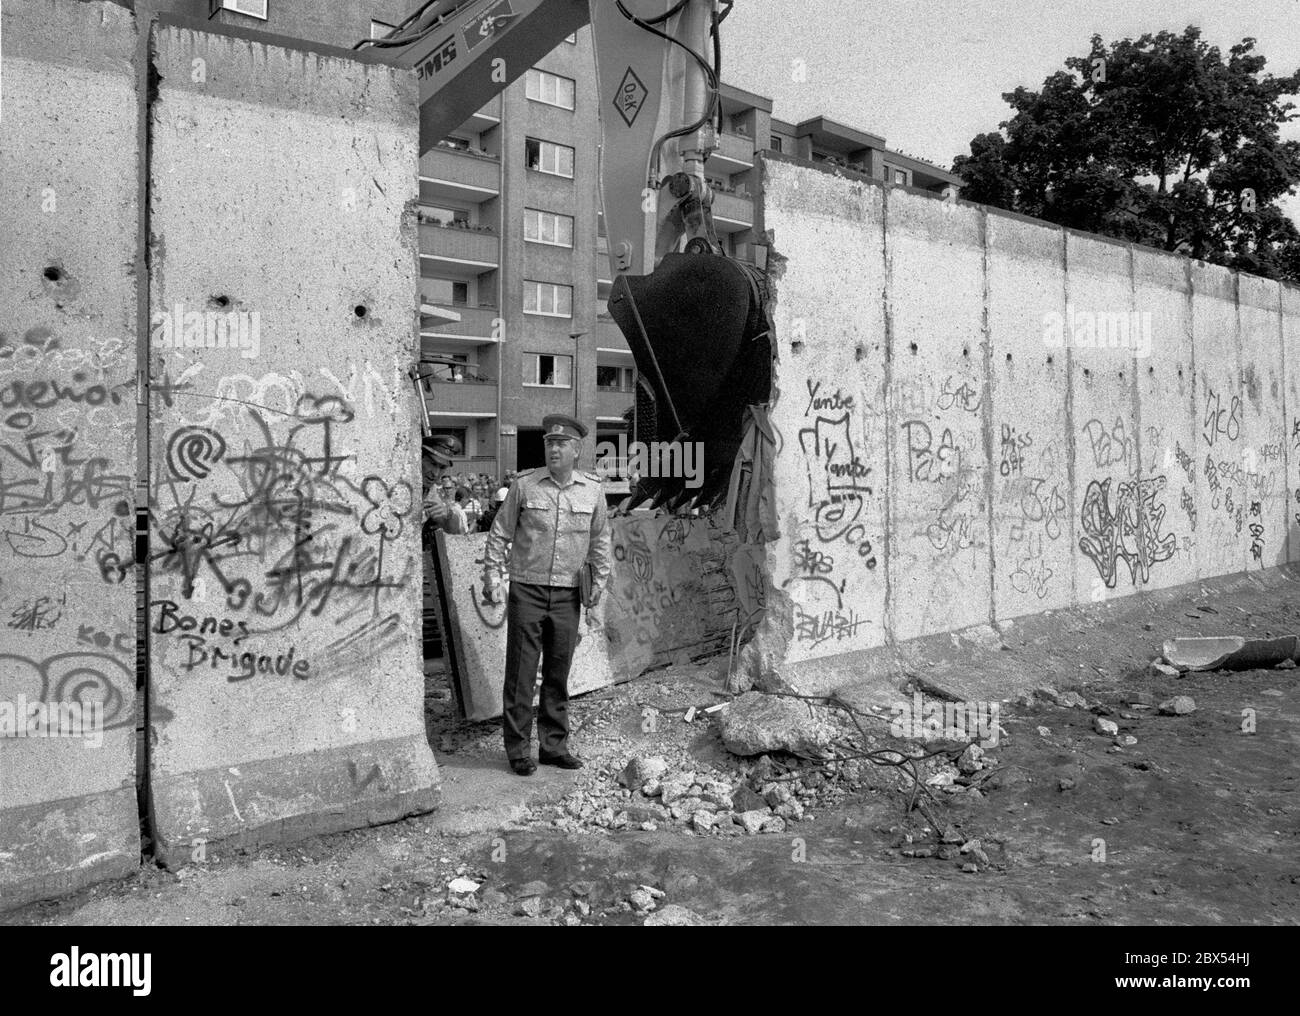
point(1198, 822)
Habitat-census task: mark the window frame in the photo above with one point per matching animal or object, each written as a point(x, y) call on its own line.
point(542, 78)
point(535, 358)
point(555, 302)
point(557, 147)
point(557, 216)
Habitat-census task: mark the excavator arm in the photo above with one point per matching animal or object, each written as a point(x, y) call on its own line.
point(689, 313)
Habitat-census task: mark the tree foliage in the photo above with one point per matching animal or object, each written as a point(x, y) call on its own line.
point(1160, 141)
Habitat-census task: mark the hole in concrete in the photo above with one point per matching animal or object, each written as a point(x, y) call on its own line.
point(1049, 361)
point(54, 273)
point(965, 350)
point(220, 301)
point(360, 310)
point(1087, 372)
point(796, 347)
point(860, 353)
point(1121, 375)
point(1008, 358)
point(1151, 370)
point(912, 346)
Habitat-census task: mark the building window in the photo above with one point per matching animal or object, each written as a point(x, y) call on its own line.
point(380, 29)
point(549, 88)
point(445, 291)
point(445, 216)
point(548, 298)
point(440, 371)
point(547, 157)
point(614, 379)
point(548, 227)
point(548, 371)
point(900, 177)
point(774, 143)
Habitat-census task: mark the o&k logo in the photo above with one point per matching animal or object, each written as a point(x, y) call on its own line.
point(208, 329)
point(630, 98)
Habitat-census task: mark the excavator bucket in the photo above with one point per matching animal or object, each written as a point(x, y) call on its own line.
point(699, 332)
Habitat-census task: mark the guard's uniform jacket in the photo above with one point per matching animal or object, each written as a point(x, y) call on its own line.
point(554, 531)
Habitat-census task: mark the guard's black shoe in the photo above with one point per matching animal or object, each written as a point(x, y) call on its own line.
point(565, 761)
point(523, 766)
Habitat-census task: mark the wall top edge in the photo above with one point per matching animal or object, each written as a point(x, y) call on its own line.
point(850, 176)
point(370, 55)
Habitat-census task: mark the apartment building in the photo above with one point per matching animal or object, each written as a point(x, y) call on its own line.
point(513, 264)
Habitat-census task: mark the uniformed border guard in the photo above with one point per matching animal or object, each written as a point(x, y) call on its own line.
point(556, 523)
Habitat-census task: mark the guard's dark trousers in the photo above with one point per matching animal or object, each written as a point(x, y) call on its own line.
point(541, 620)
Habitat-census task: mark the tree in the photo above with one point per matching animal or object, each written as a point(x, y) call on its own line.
point(1160, 141)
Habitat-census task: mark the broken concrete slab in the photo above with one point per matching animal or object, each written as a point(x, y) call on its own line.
point(1230, 652)
point(1179, 705)
point(757, 723)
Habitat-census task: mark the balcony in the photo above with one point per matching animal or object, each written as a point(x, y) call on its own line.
point(470, 397)
point(460, 252)
point(734, 154)
point(455, 174)
point(732, 213)
point(612, 403)
point(475, 327)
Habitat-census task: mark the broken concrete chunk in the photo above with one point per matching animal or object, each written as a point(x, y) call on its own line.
point(744, 798)
point(773, 824)
point(642, 770)
point(756, 723)
point(1159, 669)
point(463, 885)
point(971, 759)
point(1044, 732)
point(641, 900)
point(675, 787)
point(1179, 705)
point(1230, 652)
point(703, 820)
point(753, 821)
point(1104, 726)
point(1126, 740)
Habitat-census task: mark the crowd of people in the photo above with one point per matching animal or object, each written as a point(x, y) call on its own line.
point(471, 501)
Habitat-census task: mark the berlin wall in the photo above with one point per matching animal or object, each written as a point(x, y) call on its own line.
point(982, 417)
point(283, 471)
point(278, 465)
point(68, 450)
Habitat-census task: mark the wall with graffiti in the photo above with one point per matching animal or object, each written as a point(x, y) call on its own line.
point(680, 589)
point(982, 417)
point(285, 565)
point(67, 451)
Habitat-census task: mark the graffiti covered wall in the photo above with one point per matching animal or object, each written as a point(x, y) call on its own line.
point(677, 588)
point(67, 449)
point(983, 417)
point(285, 573)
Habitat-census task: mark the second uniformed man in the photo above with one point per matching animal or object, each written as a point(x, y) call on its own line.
point(555, 521)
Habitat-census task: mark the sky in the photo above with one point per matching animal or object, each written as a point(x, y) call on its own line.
point(928, 75)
